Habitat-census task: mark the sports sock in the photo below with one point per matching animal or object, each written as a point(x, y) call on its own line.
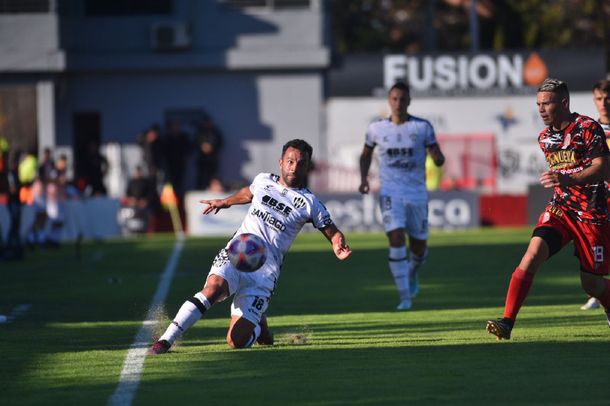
point(604, 298)
point(255, 333)
point(399, 266)
point(187, 315)
point(519, 287)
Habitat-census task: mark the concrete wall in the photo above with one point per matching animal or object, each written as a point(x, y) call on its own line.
point(221, 37)
point(30, 43)
point(257, 71)
point(257, 113)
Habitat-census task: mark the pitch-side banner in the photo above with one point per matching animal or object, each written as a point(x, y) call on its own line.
point(446, 210)
point(351, 212)
point(465, 74)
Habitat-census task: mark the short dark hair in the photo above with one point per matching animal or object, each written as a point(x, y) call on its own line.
point(555, 86)
point(603, 86)
point(301, 145)
point(400, 86)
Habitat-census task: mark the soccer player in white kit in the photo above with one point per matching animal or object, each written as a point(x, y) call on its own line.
point(279, 208)
point(403, 141)
point(601, 99)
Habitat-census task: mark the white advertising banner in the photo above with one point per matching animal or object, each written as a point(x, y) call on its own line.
point(513, 119)
point(94, 218)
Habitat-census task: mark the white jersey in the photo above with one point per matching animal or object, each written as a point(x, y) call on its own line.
point(402, 156)
point(277, 214)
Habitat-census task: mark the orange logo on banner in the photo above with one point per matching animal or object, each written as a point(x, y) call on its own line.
point(535, 70)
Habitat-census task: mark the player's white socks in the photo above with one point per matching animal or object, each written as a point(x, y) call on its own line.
point(399, 265)
point(187, 315)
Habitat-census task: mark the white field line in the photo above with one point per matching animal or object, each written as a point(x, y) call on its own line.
point(134, 361)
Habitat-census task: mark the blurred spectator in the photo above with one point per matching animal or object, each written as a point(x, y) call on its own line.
point(55, 205)
point(152, 154)
point(46, 165)
point(13, 248)
point(209, 140)
point(94, 169)
point(61, 168)
point(3, 191)
point(136, 212)
point(177, 148)
point(27, 171)
point(139, 190)
point(434, 174)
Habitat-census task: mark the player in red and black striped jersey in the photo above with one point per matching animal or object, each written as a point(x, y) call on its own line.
point(579, 163)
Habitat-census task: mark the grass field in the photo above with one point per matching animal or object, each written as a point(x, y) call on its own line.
point(68, 348)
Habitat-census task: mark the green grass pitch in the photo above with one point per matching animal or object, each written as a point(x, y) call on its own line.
point(339, 339)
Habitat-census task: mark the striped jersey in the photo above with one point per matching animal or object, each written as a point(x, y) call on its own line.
point(570, 151)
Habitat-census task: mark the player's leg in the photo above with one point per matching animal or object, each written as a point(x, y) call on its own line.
point(417, 229)
point(394, 220)
point(597, 287)
point(216, 289)
point(546, 241)
point(248, 321)
point(399, 266)
point(593, 252)
point(417, 258)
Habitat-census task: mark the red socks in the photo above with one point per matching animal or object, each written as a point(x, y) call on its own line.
point(519, 287)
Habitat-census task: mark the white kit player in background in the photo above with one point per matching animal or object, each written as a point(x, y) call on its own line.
point(279, 208)
point(403, 141)
point(601, 99)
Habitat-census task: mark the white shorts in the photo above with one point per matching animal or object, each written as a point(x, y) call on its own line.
point(251, 290)
point(399, 212)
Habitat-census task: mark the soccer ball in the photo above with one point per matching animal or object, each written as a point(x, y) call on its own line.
point(247, 252)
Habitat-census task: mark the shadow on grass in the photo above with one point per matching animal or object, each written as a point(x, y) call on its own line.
point(453, 277)
point(498, 373)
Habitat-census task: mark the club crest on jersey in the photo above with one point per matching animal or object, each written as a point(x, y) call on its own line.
point(298, 202)
point(284, 192)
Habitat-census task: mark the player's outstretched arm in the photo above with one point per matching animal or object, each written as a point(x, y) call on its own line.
point(337, 239)
point(365, 164)
point(242, 196)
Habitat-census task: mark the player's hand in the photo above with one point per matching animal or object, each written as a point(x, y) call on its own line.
point(549, 179)
point(341, 249)
point(364, 187)
point(214, 205)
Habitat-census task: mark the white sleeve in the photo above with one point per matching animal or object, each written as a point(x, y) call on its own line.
point(320, 217)
point(370, 139)
point(258, 178)
point(430, 136)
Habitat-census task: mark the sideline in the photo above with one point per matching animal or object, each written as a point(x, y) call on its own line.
point(134, 361)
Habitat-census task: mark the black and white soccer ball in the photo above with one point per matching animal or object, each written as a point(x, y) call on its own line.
point(247, 252)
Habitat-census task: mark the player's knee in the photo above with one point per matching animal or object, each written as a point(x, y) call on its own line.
point(593, 285)
point(237, 340)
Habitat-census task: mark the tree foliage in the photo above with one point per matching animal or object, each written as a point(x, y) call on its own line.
point(413, 26)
